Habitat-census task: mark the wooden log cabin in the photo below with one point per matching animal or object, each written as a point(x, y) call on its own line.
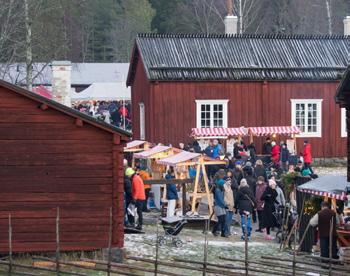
point(180, 82)
point(53, 156)
point(342, 98)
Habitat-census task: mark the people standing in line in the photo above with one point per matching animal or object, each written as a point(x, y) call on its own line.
point(229, 203)
point(307, 155)
point(259, 170)
point(267, 147)
point(260, 189)
point(284, 157)
point(219, 207)
point(138, 194)
point(269, 198)
point(323, 220)
point(245, 203)
point(171, 194)
point(275, 153)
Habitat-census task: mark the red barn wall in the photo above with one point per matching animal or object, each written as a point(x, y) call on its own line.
point(173, 112)
point(47, 161)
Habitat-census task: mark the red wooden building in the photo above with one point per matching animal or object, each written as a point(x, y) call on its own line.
point(53, 156)
point(180, 82)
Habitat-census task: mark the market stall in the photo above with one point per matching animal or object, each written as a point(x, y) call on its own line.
point(333, 188)
point(135, 146)
point(229, 135)
point(185, 159)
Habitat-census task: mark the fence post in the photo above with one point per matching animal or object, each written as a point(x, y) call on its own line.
point(294, 252)
point(157, 248)
point(207, 221)
point(110, 241)
point(10, 245)
point(330, 247)
point(58, 241)
point(246, 244)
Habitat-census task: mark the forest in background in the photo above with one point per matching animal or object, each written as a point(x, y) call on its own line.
point(104, 30)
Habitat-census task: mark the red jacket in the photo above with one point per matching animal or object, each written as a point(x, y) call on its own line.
point(138, 189)
point(307, 153)
point(275, 153)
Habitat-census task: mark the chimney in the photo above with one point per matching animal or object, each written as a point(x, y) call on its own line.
point(230, 20)
point(61, 82)
point(347, 25)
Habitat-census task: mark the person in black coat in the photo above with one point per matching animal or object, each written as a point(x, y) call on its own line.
point(196, 147)
point(129, 219)
point(284, 157)
point(267, 147)
point(269, 197)
point(238, 172)
point(259, 170)
point(251, 180)
point(245, 204)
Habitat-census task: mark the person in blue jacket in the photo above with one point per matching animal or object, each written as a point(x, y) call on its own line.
point(219, 208)
point(171, 194)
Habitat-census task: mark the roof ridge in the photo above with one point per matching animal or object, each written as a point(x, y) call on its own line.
point(244, 36)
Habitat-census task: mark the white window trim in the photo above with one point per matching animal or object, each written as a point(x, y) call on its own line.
point(319, 116)
point(142, 121)
point(343, 132)
point(224, 103)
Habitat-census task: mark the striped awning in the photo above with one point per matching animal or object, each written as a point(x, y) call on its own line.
point(148, 153)
point(282, 130)
point(341, 196)
point(218, 132)
point(181, 157)
point(135, 143)
point(332, 186)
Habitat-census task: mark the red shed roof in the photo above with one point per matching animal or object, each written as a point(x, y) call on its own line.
point(65, 109)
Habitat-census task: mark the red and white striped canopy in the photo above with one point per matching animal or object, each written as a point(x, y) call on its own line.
point(282, 130)
point(181, 157)
point(341, 196)
point(148, 153)
point(218, 132)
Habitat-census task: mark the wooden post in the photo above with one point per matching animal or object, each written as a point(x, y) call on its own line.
point(184, 199)
point(157, 250)
point(58, 241)
point(110, 242)
point(207, 221)
point(10, 245)
point(294, 251)
point(194, 196)
point(206, 184)
point(250, 137)
point(246, 244)
point(295, 144)
point(330, 247)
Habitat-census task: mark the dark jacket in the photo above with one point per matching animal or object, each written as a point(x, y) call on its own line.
point(324, 222)
point(260, 189)
point(219, 199)
point(127, 189)
point(171, 191)
point(260, 171)
point(251, 180)
point(244, 199)
point(209, 151)
point(267, 148)
point(269, 198)
point(284, 155)
point(238, 175)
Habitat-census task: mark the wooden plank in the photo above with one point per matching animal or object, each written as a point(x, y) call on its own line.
point(64, 205)
point(54, 146)
point(37, 181)
point(49, 187)
point(35, 197)
point(50, 228)
point(168, 181)
point(50, 213)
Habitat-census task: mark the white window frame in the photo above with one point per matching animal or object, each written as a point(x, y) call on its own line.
point(343, 133)
point(142, 121)
point(224, 103)
point(318, 102)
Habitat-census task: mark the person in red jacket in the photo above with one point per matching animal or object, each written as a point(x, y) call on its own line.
point(307, 155)
point(138, 193)
point(275, 153)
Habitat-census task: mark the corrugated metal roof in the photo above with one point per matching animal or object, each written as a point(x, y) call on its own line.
point(242, 57)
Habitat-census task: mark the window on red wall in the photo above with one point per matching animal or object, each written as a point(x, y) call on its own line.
point(211, 113)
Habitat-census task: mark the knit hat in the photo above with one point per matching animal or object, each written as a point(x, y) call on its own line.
point(220, 182)
point(248, 164)
point(238, 163)
point(129, 172)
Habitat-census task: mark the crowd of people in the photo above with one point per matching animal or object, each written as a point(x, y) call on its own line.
point(245, 186)
point(117, 113)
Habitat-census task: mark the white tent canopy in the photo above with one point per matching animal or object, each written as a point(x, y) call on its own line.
point(103, 91)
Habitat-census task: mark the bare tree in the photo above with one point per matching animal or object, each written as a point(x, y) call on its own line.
point(329, 16)
point(29, 55)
